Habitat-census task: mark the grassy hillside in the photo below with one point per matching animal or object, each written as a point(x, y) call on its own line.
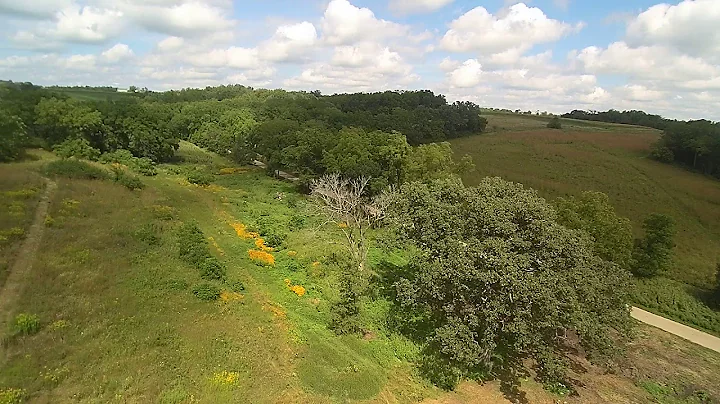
point(119, 321)
point(612, 159)
point(93, 94)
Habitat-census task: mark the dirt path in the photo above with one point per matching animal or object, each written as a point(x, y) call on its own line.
point(25, 258)
point(681, 330)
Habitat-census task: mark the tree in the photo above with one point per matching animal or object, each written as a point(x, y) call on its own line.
point(593, 213)
point(554, 123)
point(498, 281)
point(60, 119)
point(12, 136)
point(653, 253)
point(345, 204)
point(433, 161)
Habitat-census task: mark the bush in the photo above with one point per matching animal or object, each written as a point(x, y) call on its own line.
point(147, 234)
point(555, 123)
point(142, 165)
point(26, 324)
point(200, 178)
point(192, 245)
point(212, 269)
point(77, 148)
point(297, 222)
point(129, 181)
point(75, 169)
point(12, 130)
point(206, 292)
point(236, 286)
point(662, 153)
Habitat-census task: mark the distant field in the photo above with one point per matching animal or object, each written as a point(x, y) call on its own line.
point(610, 158)
point(93, 95)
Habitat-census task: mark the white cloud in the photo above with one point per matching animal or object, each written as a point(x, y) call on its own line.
point(520, 29)
point(290, 42)
point(690, 27)
point(33, 8)
point(635, 92)
point(118, 53)
point(87, 24)
point(170, 44)
point(466, 75)
point(417, 6)
point(187, 19)
point(235, 57)
point(345, 24)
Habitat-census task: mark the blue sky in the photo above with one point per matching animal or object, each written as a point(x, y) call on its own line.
point(548, 55)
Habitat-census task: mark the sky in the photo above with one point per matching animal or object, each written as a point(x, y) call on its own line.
point(538, 55)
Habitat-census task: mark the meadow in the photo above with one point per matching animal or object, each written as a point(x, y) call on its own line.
point(613, 159)
point(120, 319)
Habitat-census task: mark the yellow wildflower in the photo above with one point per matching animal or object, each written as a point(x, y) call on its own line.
point(292, 253)
point(225, 378)
point(262, 257)
point(242, 231)
point(342, 225)
point(316, 264)
point(260, 244)
point(297, 289)
point(228, 296)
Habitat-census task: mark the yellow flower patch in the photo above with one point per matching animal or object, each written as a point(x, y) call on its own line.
point(225, 378)
point(297, 289)
point(260, 244)
point(242, 231)
point(215, 188)
point(342, 225)
point(292, 253)
point(261, 257)
point(316, 264)
point(228, 296)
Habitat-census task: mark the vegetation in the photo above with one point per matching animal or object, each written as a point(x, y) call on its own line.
point(77, 169)
point(533, 281)
point(554, 123)
point(13, 136)
point(76, 148)
point(652, 255)
point(26, 324)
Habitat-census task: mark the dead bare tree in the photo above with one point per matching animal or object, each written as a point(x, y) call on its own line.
point(344, 203)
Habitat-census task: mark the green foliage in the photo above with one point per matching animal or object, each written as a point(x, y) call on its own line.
point(593, 213)
point(653, 254)
point(77, 148)
point(231, 130)
point(433, 161)
point(345, 313)
point(192, 245)
point(141, 165)
point(25, 324)
point(12, 396)
point(212, 269)
point(717, 284)
point(236, 286)
point(12, 136)
point(496, 277)
point(662, 153)
point(129, 181)
point(59, 119)
point(75, 169)
point(206, 291)
point(147, 235)
point(201, 178)
point(674, 300)
point(555, 123)
point(297, 222)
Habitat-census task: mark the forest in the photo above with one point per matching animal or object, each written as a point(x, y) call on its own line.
point(692, 144)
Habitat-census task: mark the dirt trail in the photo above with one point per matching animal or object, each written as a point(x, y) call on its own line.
point(25, 258)
point(681, 330)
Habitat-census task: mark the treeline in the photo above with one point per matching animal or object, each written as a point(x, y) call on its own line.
point(693, 144)
point(311, 134)
point(633, 117)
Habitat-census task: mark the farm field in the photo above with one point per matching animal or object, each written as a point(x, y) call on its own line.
point(119, 322)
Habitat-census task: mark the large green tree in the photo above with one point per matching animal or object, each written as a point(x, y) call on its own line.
point(593, 213)
point(498, 281)
point(12, 136)
point(652, 255)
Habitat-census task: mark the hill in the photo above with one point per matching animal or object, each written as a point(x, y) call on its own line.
point(119, 318)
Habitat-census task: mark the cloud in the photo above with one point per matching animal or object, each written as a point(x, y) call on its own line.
point(520, 28)
point(466, 75)
point(182, 20)
point(117, 53)
point(690, 27)
point(562, 4)
point(345, 24)
point(417, 6)
point(33, 8)
point(290, 42)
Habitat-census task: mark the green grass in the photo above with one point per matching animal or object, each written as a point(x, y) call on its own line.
point(93, 94)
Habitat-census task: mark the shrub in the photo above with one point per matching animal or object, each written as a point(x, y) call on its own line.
point(345, 312)
point(236, 286)
point(192, 245)
point(199, 178)
point(75, 169)
point(662, 153)
point(26, 324)
point(297, 222)
point(555, 123)
point(142, 165)
point(147, 234)
point(77, 148)
point(14, 137)
point(129, 181)
point(206, 291)
point(212, 269)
